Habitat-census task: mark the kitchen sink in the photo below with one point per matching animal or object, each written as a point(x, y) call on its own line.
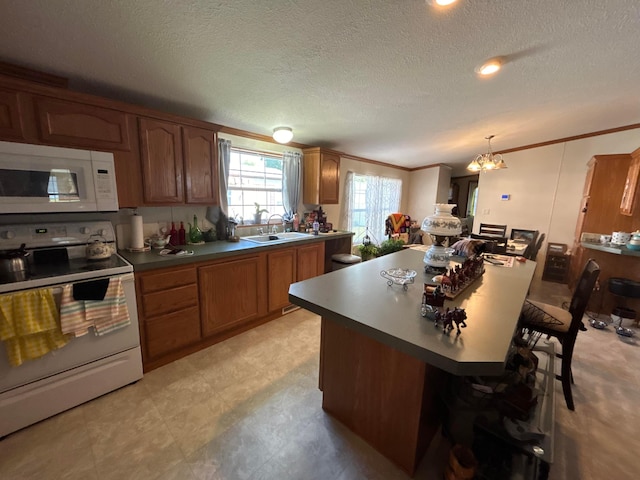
point(277, 237)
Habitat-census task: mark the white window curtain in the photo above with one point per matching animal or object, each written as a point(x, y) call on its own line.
point(218, 214)
point(291, 175)
point(368, 201)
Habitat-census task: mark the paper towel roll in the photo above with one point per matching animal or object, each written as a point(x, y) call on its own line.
point(137, 234)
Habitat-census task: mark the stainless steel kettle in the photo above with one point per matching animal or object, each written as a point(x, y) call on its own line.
point(13, 263)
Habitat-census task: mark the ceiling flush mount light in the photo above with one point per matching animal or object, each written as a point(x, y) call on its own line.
point(282, 134)
point(441, 3)
point(487, 161)
point(490, 67)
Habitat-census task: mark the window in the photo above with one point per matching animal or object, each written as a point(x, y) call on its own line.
point(369, 200)
point(254, 177)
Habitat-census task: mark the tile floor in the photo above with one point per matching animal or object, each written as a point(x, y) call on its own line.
point(249, 408)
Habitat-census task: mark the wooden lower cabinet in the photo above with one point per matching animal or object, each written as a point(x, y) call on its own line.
point(310, 261)
point(231, 292)
point(167, 333)
point(167, 310)
point(187, 308)
point(289, 265)
point(281, 267)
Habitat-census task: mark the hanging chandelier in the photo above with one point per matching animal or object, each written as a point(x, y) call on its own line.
point(487, 161)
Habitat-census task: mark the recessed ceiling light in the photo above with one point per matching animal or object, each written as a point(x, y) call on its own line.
point(282, 134)
point(490, 67)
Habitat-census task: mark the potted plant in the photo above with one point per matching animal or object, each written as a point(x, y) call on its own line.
point(257, 216)
point(368, 251)
point(389, 246)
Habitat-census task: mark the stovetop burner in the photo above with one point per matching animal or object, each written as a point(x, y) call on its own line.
point(57, 255)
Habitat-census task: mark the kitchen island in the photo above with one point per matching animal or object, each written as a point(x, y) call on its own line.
point(383, 366)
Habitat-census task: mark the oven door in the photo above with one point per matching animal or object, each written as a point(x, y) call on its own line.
point(78, 352)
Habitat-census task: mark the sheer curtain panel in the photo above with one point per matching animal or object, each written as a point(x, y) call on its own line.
point(291, 175)
point(218, 214)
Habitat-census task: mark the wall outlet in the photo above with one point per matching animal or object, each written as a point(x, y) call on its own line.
point(486, 211)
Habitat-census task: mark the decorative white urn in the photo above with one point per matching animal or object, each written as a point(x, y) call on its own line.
point(441, 224)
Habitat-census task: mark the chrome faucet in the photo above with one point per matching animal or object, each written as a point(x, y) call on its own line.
point(274, 229)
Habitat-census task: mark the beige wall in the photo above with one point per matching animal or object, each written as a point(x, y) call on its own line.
point(365, 168)
point(427, 187)
point(545, 185)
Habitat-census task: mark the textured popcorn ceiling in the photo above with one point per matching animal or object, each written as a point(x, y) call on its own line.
point(388, 80)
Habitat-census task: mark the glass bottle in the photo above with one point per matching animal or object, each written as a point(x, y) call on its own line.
point(173, 234)
point(182, 236)
point(195, 234)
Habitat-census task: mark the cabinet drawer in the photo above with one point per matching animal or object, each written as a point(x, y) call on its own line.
point(79, 125)
point(169, 279)
point(170, 332)
point(170, 300)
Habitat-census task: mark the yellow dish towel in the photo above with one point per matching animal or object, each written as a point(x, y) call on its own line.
point(29, 325)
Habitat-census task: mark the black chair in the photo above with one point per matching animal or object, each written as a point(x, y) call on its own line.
point(528, 236)
point(492, 243)
point(533, 251)
point(537, 319)
point(491, 229)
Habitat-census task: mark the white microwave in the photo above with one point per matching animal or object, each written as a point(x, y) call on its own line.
point(43, 179)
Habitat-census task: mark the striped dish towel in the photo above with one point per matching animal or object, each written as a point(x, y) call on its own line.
point(111, 313)
point(29, 325)
point(72, 317)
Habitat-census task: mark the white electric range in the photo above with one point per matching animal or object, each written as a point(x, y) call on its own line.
point(87, 366)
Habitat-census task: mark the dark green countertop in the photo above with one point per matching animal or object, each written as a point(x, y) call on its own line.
point(215, 250)
point(360, 299)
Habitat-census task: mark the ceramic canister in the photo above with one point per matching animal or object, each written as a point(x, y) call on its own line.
point(620, 238)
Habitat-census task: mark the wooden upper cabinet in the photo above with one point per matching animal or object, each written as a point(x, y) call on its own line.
point(72, 124)
point(321, 184)
point(604, 184)
point(631, 185)
point(10, 118)
point(162, 164)
point(200, 165)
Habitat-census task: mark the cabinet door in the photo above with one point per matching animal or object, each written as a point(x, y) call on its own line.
point(10, 119)
point(281, 272)
point(329, 178)
point(167, 333)
point(630, 187)
point(73, 124)
point(231, 293)
point(161, 157)
point(200, 168)
point(310, 261)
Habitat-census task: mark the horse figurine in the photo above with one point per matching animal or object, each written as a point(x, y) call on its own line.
point(449, 317)
point(458, 316)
